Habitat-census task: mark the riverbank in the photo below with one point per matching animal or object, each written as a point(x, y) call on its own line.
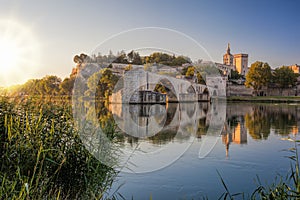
point(265, 99)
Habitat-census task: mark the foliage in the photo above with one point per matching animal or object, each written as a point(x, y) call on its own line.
point(3, 91)
point(128, 67)
point(80, 59)
point(160, 88)
point(190, 71)
point(134, 58)
point(121, 58)
point(202, 70)
point(259, 75)
point(42, 156)
point(48, 85)
point(234, 75)
point(284, 77)
point(166, 59)
point(66, 86)
point(200, 79)
point(101, 84)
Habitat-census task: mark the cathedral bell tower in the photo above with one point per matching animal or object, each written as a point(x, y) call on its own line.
point(228, 57)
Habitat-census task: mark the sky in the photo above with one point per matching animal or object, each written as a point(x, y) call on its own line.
point(48, 34)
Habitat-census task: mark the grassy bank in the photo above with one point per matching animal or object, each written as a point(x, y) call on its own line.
point(265, 99)
point(42, 156)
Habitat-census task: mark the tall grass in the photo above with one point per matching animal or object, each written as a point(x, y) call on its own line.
point(42, 156)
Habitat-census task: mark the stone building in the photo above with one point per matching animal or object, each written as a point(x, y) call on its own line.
point(295, 68)
point(239, 61)
point(228, 57)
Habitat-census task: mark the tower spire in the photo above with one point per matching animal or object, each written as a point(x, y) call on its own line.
point(228, 48)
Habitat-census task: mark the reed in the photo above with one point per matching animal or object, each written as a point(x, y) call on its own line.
point(42, 156)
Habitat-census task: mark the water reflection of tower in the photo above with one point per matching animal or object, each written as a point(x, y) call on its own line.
point(237, 135)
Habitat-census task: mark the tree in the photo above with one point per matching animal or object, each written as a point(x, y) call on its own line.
point(160, 88)
point(101, 82)
point(134, 58)
point(107, 83)
point(128, 67)
point(137, 59)
point(178, 61)
point(190, 71)
point(79, 59)
point(284, 77)
point(166, 59)
point(235, 75)
point(121, 58)
point(200, 78)
point(259, 75)
point(50, 84)
point(66, 86)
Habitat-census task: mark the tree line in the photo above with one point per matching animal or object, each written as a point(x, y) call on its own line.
point(260, 75)
point(49, 85)
point(134, 58)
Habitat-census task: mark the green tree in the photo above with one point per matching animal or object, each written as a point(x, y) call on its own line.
point(31, 87)
point(51, 84)
point(80, 59)
point(103, 83)
point(190, 71)
point(166, 59)
point(284, 77)
point(66, 86)
point(259, 75)
point(235, 75)
point(200, 78)
point(128, 67)
point(178, 61)
point(160, 88)
point(121, 58)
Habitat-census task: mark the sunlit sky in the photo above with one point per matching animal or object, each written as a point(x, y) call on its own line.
point(50, 33)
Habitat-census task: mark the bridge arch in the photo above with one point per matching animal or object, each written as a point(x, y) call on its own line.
point(191, 89)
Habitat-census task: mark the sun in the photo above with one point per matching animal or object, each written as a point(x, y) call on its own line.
point(18, 53)
point(10, 54)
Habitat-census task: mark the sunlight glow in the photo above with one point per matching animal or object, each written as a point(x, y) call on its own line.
point(9, 54)
point(18, 53)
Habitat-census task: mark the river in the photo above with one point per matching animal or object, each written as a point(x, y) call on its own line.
point(175, 151)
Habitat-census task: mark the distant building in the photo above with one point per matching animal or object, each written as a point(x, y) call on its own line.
point(228, 57)
point(295, 68)
point(239, 61)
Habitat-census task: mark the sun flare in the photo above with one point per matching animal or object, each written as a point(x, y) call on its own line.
point(9, 54)
point(18, 53)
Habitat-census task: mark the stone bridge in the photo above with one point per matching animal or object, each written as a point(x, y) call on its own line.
point(178, 89)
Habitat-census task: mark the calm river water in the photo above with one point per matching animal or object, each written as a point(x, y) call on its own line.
point(175, 151)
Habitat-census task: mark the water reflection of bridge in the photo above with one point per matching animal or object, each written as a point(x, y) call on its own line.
point(182, 121)
point(185, 119)
point(235, 123)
